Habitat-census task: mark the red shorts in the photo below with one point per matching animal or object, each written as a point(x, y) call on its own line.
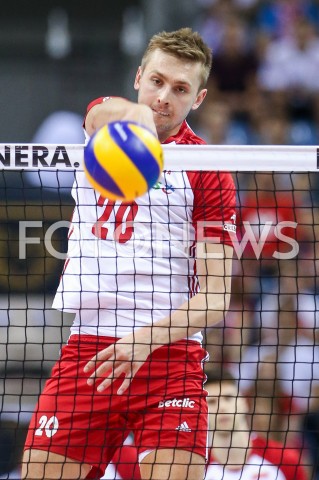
point(165, 406)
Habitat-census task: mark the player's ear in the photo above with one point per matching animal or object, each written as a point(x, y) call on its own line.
point(199, 99)
point(138, 78)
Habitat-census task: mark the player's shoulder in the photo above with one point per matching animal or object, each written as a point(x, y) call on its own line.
point(194, 139)
point(186, 136)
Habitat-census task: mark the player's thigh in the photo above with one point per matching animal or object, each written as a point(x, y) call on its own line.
point(38, 464)
point(172, 464)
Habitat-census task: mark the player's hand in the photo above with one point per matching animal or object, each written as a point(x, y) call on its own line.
point(123, 357)
point(142, 114)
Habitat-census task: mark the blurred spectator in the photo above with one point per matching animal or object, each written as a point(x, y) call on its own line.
point(303, 132)
point(277, 127)
point(310, 429)
point(236, 451)
point(284, 362)
point(276, 223)
point(290, 66)
point(272, 129)
point(288, 320)
point(226, 342)
point(235, 66)
point(12, 438)
point(277, 17)
point(217, 127)
point(266, 409)
point(265, 63)
point(211, 22)
point(267, 228)
point(244, 8)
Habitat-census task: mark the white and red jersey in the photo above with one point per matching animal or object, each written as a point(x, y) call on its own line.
point(268, 460)
point(132, 263)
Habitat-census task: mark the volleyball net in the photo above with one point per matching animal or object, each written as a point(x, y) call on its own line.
point(268, 339)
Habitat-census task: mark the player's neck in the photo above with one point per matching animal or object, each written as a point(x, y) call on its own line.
point(231, 449)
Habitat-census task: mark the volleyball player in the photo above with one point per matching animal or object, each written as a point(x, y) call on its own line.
point(141, 295)
point(236, 452)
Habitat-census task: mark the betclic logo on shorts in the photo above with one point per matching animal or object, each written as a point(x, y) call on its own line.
point(177, 403)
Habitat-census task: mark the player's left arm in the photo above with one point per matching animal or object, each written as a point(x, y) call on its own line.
point(209, 306)
point(205, 309)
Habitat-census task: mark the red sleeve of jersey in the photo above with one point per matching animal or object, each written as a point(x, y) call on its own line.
point(97, 101)
point(214, 209)
point(185, 136)
point(287, 459)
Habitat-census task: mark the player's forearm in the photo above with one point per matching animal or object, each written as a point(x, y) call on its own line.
point(203, 310)
point(116, 109)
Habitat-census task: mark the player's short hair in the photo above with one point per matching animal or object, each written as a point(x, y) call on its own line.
point(185, 44)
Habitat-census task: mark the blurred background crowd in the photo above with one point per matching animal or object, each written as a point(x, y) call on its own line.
point(56, 56)
point(264, 83)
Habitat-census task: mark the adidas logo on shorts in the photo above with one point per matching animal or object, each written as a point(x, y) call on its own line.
point(183, 427)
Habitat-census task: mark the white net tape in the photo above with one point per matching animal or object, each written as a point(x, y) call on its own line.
point(186, 157)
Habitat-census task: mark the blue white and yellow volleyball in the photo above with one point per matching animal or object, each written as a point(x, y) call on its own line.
point(123, 160)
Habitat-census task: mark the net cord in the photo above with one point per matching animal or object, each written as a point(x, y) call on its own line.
point(281, 158)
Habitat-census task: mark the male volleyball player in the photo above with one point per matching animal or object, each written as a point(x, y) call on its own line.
point(236, 452)
point(141, 295)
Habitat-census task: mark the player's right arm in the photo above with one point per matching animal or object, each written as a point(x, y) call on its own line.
point(112, 109)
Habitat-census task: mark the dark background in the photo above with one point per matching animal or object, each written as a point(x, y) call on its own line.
point(33, 83)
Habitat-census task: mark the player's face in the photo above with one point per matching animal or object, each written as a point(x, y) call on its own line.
point(227, 410)
point(170, 86)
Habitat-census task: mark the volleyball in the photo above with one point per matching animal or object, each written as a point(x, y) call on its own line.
point(123, 160)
